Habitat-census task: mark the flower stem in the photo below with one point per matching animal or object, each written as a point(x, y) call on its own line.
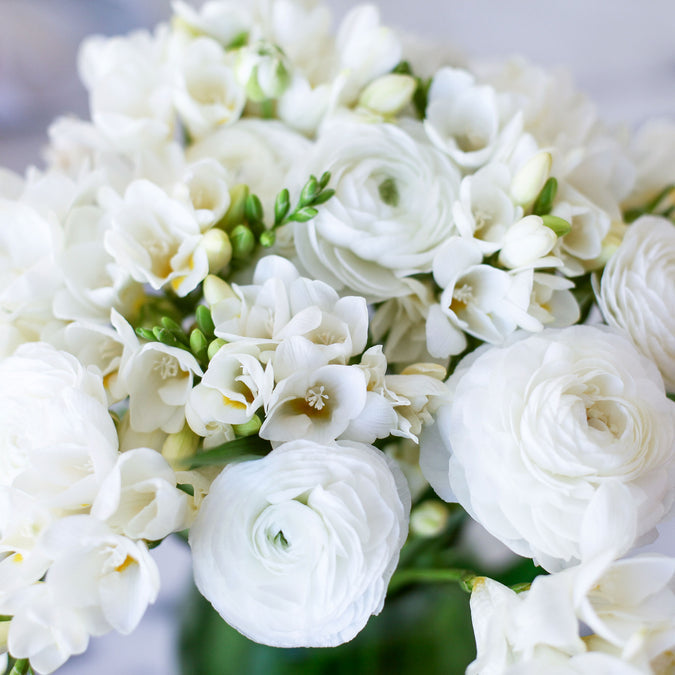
point(404, 577)
point(21, 667)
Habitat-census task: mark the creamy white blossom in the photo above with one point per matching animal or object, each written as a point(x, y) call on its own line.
point(635, 290)
point(57, 439)
point(391, 211)
point(279, 550)
point(576, 419)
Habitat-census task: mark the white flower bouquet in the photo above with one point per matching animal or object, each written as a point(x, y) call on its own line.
point(289, 293)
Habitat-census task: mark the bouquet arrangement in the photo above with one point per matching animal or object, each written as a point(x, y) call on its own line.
point(283, 281)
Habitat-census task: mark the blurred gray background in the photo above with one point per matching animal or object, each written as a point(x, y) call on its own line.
point(621, 52)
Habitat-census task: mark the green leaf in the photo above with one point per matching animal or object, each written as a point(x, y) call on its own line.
point(544, 201)
point(421, 97)
point(21, 667)
point(205, 320)
point(671, 396)
point(559, 225)
point(251, 445)
point(186, 488)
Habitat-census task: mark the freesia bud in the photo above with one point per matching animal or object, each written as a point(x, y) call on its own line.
point(525, 242)
point(261, 70)
point(434, 370)
point(180, 446)
point(429, 518)
point(218, 249)
point(215, 346)
point(530, 178)
point(248, 428)
point(243, 242)
point(389, 94)
point(216, 289)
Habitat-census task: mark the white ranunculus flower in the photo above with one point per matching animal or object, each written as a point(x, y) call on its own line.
point(577, 420)
point(57, 439)
point(279, 550)
point(391, 210)
point(636, 287)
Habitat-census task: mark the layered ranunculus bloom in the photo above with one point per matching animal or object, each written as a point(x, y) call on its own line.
point(636, 287)
point(297, 548)
point(548, 436)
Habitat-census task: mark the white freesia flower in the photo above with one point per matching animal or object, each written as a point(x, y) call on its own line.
point(159, 380)
point(255, 152)
point(130, 96)
point(635, 290)
point(108, 577)
point(576, 419)
point(484, 210)
point(139, 498)
point(29, 243)
point(233, 388)
point(478, 299)
point(463, 119)
point(206, 94)
point(512, 628)
point(155, 238)
point(44, 629)
point(280, 553)
point(527, 243)
point(400, 323)
point(281, 304)
point(366, 49)
point(23, 520)
point(57, 439)
point(552, 302)
point(223, 21)
point(392, 208)
point(315, 404)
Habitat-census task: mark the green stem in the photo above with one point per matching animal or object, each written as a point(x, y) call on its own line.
point(404, 577)
point(21, 667)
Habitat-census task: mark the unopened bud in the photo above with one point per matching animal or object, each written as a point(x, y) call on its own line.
point(215, 346)
point(434, 370)
point(530, 178)
point(262, 71)
point(235, 213)
point(248, 428)
point(180, 446)
point(389, 94)
point(218, 249)
point(216, 289)
point(243, 242)
point(526, 241)
point(429, 518)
